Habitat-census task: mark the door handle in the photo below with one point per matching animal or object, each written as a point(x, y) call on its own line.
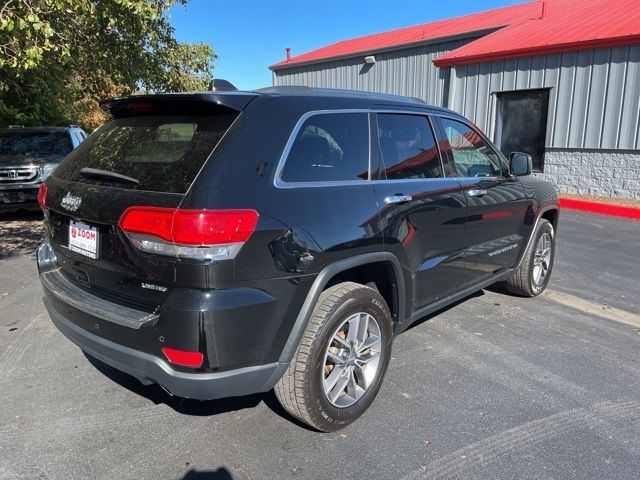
point(476, 192)
point(397, 198)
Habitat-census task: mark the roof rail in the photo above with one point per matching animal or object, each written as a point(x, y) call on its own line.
point(73, 125)
point(16, 126)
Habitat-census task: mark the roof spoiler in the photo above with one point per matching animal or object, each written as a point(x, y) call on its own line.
point(202, 103)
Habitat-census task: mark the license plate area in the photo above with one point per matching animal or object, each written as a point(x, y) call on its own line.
point(84, 239)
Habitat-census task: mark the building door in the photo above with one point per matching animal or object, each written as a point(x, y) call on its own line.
point(522, 124)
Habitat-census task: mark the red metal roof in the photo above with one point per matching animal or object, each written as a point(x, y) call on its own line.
point(420, 33)
point(535, 28)
point(566, 25)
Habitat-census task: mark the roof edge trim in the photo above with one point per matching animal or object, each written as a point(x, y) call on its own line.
point(443, 62)
point(391, 48)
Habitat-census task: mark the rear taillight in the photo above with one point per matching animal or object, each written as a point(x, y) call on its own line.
point(42, 196)
point(204, 234)
point(183, 357)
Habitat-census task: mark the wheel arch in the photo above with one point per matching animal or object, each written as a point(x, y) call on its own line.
point(332, 272)
point(550, 213)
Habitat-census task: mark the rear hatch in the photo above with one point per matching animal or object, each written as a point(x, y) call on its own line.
point(147, 155)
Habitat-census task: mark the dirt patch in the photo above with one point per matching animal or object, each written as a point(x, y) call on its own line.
point(20, 233)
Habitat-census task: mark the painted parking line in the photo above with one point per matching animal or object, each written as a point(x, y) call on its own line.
point(594, 308)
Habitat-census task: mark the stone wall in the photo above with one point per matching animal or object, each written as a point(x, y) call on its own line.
point(604, 173)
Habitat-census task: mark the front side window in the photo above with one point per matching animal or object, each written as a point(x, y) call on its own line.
point(408, 147)
point(328, 148)
point(473, 157)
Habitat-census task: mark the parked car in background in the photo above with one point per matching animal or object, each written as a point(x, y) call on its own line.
point(227, 243)
point(28, 155)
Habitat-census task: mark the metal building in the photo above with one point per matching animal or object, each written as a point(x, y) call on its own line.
point(559, 79)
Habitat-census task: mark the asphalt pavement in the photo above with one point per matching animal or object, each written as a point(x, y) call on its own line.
point(495, 387)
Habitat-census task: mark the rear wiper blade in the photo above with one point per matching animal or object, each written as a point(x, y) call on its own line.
point(97, 173)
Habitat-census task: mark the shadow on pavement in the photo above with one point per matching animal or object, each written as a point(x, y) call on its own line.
point(186, 406)
point(219, 474)
point(20, 233)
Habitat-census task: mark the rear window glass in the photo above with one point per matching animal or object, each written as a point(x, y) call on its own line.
point(329, 148)
point(34, 144)
point(164, 153)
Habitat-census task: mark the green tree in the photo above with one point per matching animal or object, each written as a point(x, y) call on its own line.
point(59, 57)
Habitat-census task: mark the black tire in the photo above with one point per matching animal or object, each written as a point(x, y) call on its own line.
point(300, 391)
point(522, 282)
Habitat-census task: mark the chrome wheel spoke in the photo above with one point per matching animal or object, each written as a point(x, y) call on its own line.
point(342, 342)
point(336, 359)
point(340, 385)
point(373, 342)
point(335, 375)
point(354, 390)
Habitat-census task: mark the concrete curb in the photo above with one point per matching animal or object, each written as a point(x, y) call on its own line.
point(600, 208)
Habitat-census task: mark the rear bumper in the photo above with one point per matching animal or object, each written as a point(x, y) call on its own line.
point(102, 329)
point(151, 369)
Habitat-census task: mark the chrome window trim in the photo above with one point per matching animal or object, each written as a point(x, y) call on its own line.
point(277, 180)
point(279, 183)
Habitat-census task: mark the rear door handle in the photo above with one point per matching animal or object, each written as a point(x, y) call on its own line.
point(476, 192)
point(397, 198)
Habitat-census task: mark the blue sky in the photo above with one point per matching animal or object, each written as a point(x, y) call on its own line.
point(250, 35)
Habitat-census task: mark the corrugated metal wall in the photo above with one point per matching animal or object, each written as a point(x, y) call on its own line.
point(594, 101)
point(409, 72)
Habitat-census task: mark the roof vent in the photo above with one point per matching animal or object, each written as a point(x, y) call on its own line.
point(220, 85)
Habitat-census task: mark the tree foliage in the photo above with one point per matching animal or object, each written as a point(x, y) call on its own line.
point(59, 57)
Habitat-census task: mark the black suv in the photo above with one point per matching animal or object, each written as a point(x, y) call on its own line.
point(27, 158)
point(227, 243)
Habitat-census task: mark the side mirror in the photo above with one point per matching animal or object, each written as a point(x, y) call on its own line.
point(520, 164)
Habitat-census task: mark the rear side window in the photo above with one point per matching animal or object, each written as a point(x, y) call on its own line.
point(408, 147)
point(329, 148)
point(35, 144)
point(473, 157)
point(164, 153)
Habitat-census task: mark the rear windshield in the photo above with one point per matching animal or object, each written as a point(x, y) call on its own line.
point(163, 152)
point(34, 144)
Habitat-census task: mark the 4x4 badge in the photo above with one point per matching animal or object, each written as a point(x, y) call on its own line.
point(71, 202)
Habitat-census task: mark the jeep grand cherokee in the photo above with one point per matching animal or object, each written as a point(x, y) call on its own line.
point(227, 243)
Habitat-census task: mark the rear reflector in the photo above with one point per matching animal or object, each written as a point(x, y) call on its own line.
point(183, 357)
point(206, 234)
point(42, 196)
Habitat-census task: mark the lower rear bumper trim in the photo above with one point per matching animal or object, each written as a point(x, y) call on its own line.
point(149, 368)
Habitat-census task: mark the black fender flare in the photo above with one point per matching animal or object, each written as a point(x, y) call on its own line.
point(539, 214)
point(320, 283)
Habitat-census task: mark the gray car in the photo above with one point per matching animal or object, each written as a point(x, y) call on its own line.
point(28, 155)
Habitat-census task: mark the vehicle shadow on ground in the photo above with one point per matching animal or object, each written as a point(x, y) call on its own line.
point(20, 233)
point(187, 406)
point(219, 474)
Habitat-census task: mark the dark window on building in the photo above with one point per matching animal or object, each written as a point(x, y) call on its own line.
point(328, 148)
point(408, 147)
point(522, 124)
point(472, 155)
